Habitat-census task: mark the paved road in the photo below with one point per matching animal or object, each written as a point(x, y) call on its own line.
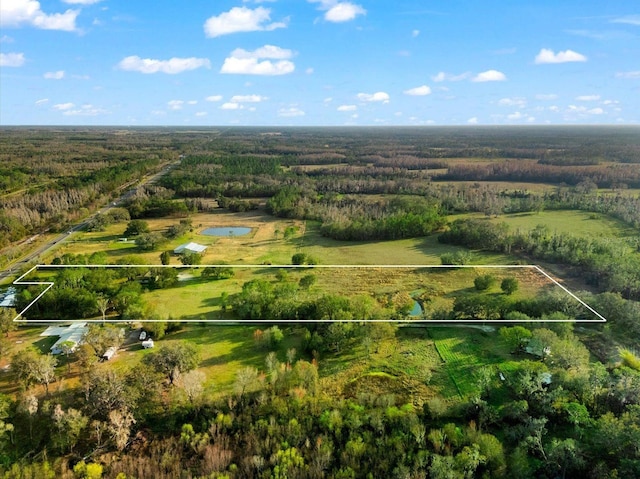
point(17, 266)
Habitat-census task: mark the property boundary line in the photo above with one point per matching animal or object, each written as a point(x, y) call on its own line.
point(19, 281)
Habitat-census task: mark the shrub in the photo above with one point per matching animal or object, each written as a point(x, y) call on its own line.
point(483, 283)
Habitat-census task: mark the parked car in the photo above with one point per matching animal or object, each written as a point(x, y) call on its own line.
point(147, 344)
point(143, 335)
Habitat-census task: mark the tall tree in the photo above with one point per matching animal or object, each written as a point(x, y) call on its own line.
point(173, 359)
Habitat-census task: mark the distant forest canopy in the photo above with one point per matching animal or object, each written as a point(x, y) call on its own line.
point(50, 177)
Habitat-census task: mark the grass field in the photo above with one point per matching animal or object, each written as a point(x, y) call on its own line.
point(464, 350)
point(568, 221)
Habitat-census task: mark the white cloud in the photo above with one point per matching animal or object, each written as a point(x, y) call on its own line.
point(516, 101)
point(64, 106)
point(628, 19)
point(172, 66)
point(11, 59)
point(442, 76)
point(344, 12)
point(473, 120)
point(201, 113)
point(290, 112)
point(588, 98)
point(596, 111)
point(489, 75)
point(15, 13)
point(546, 96)
point(554, 108)
point(418, 91)
point(42, 101)
point(629, 75)
point(6, 39)
point(192, 102)
point(327, 100)
point(347, 108)
point(59, 75)
point(415, 33)
point(374, 97)
point(231, 106)
point(338, 12)
point(309, 71)
point(548, 56)
point(85, 110)
point(241, 19)
point(175, 104)
point(82, 2)
point(247, 98)
point(214, 98)
point(515, 116)
point(252, 62)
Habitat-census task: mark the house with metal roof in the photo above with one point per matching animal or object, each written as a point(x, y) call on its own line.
point(72, 333)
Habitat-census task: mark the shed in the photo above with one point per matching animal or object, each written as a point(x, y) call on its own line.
point(190, 248)
point(109, 353)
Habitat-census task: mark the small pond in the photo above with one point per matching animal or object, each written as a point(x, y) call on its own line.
point(226, 231)
point(417, 309)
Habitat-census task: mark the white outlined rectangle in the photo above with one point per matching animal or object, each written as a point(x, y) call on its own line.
point(49, 284)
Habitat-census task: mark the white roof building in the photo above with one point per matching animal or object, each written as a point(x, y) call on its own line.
point(72, 333)
point(190, 248)
point(8, 299)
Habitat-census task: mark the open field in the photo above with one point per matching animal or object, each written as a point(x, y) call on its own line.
point(569, 221)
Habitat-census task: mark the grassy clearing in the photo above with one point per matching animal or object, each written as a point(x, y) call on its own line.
point(466, 349)
point(569, 221)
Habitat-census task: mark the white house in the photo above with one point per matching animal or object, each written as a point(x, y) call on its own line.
point(72, 333)
point(190, 248)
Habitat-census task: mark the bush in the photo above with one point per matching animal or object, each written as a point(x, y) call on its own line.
point(483, 283)
point(457, 258)
point(509, 285)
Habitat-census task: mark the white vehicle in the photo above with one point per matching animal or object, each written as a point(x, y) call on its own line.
point(143, 335)
point(147, 344)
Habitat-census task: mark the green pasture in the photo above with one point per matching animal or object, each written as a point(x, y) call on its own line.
point(573, 222)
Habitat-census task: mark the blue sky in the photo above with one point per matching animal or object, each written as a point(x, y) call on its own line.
point(319, 62)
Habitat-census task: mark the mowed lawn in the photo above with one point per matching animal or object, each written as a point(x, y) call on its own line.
point(464, 350)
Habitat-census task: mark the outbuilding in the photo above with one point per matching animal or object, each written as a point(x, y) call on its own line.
point(190, 248)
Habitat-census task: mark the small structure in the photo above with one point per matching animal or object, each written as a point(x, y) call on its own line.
point(190, 248)
point(147, 344)
point(72, 333)
point(109, 353)
point(8, 299)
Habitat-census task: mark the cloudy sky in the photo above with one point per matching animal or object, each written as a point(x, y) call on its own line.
point(319, 62)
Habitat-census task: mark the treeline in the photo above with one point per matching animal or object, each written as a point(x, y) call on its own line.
point(52, 177)
point(604, 176)
point(609, 264)
point(356, 219)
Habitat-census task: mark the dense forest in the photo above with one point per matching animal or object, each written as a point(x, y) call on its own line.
point(546, 400)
